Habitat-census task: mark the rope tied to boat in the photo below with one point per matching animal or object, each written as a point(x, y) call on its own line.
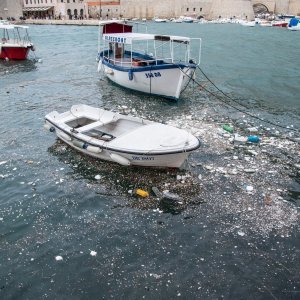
point(203, 87)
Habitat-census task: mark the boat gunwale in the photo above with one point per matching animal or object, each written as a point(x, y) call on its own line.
point(162, 66)
point(149, 68)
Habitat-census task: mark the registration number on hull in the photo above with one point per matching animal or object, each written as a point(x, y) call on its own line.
point(154, 74)
point(142, 157)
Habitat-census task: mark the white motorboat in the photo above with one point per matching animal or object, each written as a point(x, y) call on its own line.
point(179, 20)
point(15, 42)
point(160, 20)
point(163, 67)
point(265, 24)
point(121, 138)
point(248, 23)
point(189, 20)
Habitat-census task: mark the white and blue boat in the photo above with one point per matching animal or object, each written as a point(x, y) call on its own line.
point(150, 63)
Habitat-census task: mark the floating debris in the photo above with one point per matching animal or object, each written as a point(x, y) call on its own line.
point(141, 193)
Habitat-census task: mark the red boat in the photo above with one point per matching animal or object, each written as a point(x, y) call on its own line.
point(15, 42)
point(280, 23)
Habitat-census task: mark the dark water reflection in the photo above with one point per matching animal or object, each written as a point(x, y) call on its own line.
point(13, 67)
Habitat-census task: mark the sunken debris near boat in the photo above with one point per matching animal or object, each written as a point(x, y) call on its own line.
point(164, 67)
point(122, 139)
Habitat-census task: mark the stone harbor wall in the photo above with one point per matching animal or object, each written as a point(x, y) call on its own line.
point(175, 8)
point(294, 7)
point(269, 4)
point(241, 9)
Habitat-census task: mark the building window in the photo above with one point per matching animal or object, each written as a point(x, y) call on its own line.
point(200, 8)
point(26, 1)
point(74, 1)
point(187, 9)
point(108, 9)
point(194, 9)
point(68, 1)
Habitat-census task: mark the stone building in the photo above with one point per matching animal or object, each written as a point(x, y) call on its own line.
point(105, 9)
point(10, 9)
point(59, 9)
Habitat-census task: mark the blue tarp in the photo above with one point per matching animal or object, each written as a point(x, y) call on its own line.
point(293, 22)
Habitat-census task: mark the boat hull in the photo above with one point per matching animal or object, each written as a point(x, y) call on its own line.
point(294, 28)
point(14, 53)
point(280, 24)
point(166, 82)
point(174, 160)
point(122, 139)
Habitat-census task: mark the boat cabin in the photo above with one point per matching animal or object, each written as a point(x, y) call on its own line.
point(122, 47)
point(14, 34)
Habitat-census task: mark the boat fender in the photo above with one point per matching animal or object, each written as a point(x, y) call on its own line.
point(63, 136)
point(47, 126)
point(93, 149)
point(78, 144)
point(130, 74)
point(99, 65)
point(194, 75)
point(86, 146)
point(120, 159)
point(109, 71)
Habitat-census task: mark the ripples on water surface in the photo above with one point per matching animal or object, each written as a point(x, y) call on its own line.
point(220, 243)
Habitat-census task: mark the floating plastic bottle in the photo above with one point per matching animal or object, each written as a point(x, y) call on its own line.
point(142, 193)
point(227, 128)
point(242, 140)
point(238, 139)
point(253, 139)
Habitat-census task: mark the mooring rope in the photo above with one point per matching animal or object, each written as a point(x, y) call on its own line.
point(232, 99)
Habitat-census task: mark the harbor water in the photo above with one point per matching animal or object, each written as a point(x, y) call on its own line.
point(70, 227)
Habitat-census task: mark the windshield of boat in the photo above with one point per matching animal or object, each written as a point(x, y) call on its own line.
point(14, 34)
